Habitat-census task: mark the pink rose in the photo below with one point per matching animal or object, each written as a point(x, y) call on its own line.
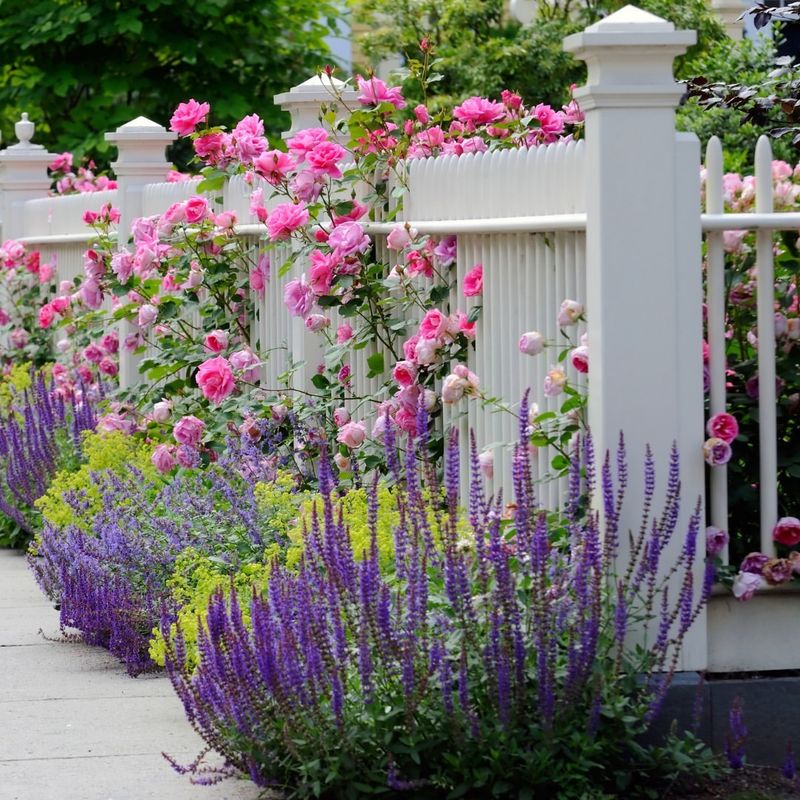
point(321, 272)
point(554, 382)
point(147, 315)
point(47, 271)
point(787, 531)
point(745, 585)
point(46, 315)
point(61, 304)
point(188, 430)
point(187, 116)
point(422, 115)
point(341, 416)
point(342, 462)
point(93, 353)
point(246, 362)
point(453, 389)
point(531, 343)
point(777, 571)
point(257, 207)
point(61, 163)
point(723, 426)
point(285, 219)
point(446, 250)
point(569, 313)
point(349, 238)
point(486, 464)
point(215, 379)
point(298, 297)
point(325, 157)
point(344, 333)
point(316, 322)
point(216, 341)
point(473, 281)
point(400, 237)
point(352, 434)
point(470, 378)
point(404, 373)
point(374, 92)
point(579, 357)
point(433, 324)
point(716, 452)
point(163, 459)
point(210, 145)
point(426, 352)
point(306, 185)
point(716, 540)
point(4, 318)
point(550, 121)
point(196, 209)
point(274, 166)
point(162, 411)
point(108, 366)
point(19, 338)
point(260, 274)
point(479, 111)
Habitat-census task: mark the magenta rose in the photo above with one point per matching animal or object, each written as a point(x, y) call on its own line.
point(188, 430)
point(298, 297)
point(404, 373)
point(285, 219)
point(479, 111)
point(473, 281)
point(325, 157)
point(716, 540)
point(196, 209)
point(723, 426)
point(187, 116)
point(215, 379)
point(754, 562)
point(716, 452)
point(46, 315)
point(787, 531)
point(579, 358)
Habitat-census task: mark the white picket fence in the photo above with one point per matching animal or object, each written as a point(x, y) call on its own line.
point(613, 222)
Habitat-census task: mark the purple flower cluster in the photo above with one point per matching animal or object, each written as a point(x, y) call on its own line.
point(497, 632)
point(111, 581)
point(40, 429)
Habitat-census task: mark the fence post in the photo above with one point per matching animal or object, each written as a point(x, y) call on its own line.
point(304, 103)
point(140, 161)
point(644, 280)
point(729, 13)
point(23, 176)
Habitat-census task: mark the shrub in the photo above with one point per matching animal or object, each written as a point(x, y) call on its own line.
point(492, 665)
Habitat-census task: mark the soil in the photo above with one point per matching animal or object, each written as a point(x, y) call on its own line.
point(749, 783)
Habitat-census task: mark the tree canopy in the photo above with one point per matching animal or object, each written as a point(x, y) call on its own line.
point(83, 67)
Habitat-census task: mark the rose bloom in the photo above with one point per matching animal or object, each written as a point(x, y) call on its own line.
point(341, 416)
point(93, 353)
point(147, 315)
point(400, 237)
point(46, 315)
point(531, 343)
point(19, 338)
point(298, 297)
point(554, 382)
point(352, 434)
point(569, 313)
point(745, 585)
point(246, 362)
point(196, 209)
point(723, 426)
point(473, 281)
point(716, 540)
point(716, 452)
point(188, 430)
point(108, 367)
point(471, 379)
point(479, 111)
point(486, 463)
point(349, 238)
point(754, 562)
point(274, 165)
point(433, 324)
point(304, 141)
point(446, 250)
point(47, 271)
point(161, 410)
point(325, 157)
point(188, 457)
point(216, 341)
point(215, 379)
point(344, 333)
point(374, 92)
point(579, 358)
point(404, 373)
point(285, 219)
point(61, 304)
point(163, 458)
point(187, 116)
point(316, 322)
point(787, 531)
point(777, 571)
point(453, 389)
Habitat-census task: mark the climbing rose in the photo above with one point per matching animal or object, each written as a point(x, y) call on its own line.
point(46, 315)
point(216, 341)
point(479, 111)
point(400, 237)
point(196, 209)
point(285, 219)
point(146, 315)
point(374, 92)
point(473, 281)
point(187, 116)
point(453, 389)
point(298, 297)
point(569, 313)
point(579, 358)
point(745, 585)
point(163, 459)
point(274, 166)
point(787, 531)
point(341, 416)
point(531, 343)
point(246, 362)
point(716, 540)
point(188, 430)
point(162, 410)
point(723, 426)
point(215, 379)
point(555, 381)
point(324, 159)
point(716, 452)
point(352, 434)
point(404, 373)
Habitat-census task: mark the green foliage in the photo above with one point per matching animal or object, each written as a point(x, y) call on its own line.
point(73, 63)
point(106, 450)
point(483, 51)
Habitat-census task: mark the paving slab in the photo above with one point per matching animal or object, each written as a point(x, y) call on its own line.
point(74, 725)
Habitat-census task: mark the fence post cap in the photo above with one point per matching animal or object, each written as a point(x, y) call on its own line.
point(317, 89)
point(24, 148)
point(141, 128)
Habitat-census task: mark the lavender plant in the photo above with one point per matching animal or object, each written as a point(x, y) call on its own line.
point(41, 433)
point(485, 665)
point(112, 580)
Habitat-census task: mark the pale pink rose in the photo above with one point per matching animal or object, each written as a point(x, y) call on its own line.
point(325, 157)
point(175, 213)
point(196, 209)
point(486, 463)
point(723, 426)
point(316, 322)
point(187, 116)
point(426, 352)
point(579, 357)
point(225, 220)
point(471, 379)
point(279, 412)
point(531, 343)
point(342, 462)
point(716, 540)
point(19, 338)
point(122, 265)
point(379, 428)
point(257, 207)
point(216, 341)
point(406, 420)
point(285, 219)
point(47, 271)
point(215, 379)
point(569, 313)
point(479, 111)
point(147, 315)
point(349, 238)
point(352, 434)
point(62, 345)
point(344, 333)
point(298, 297)
point(259, 275)
point(554, 382)
point(404, 373)
point(453, 389)
point(400, 237)
point(91, 294)
point(173, 176)
point(473, 281)
point(306, 140)
point(732, 241)
point(163, 458)
point(246, 362)
point(162, 410)
point(274, 166)
point(433, 324)
point(306, 185)
point(716, 452)
point(745, 585)
point(374, 92)
point(46, 315)
point(341, 416)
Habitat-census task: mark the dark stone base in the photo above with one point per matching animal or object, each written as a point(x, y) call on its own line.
point(770, 704)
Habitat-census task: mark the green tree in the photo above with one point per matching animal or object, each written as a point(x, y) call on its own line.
point(482, 50)
point(83, 67)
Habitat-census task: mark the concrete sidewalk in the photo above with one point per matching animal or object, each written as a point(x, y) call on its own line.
point(73, 725)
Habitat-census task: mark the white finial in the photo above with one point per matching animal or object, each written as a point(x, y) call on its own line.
point(24, 130)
